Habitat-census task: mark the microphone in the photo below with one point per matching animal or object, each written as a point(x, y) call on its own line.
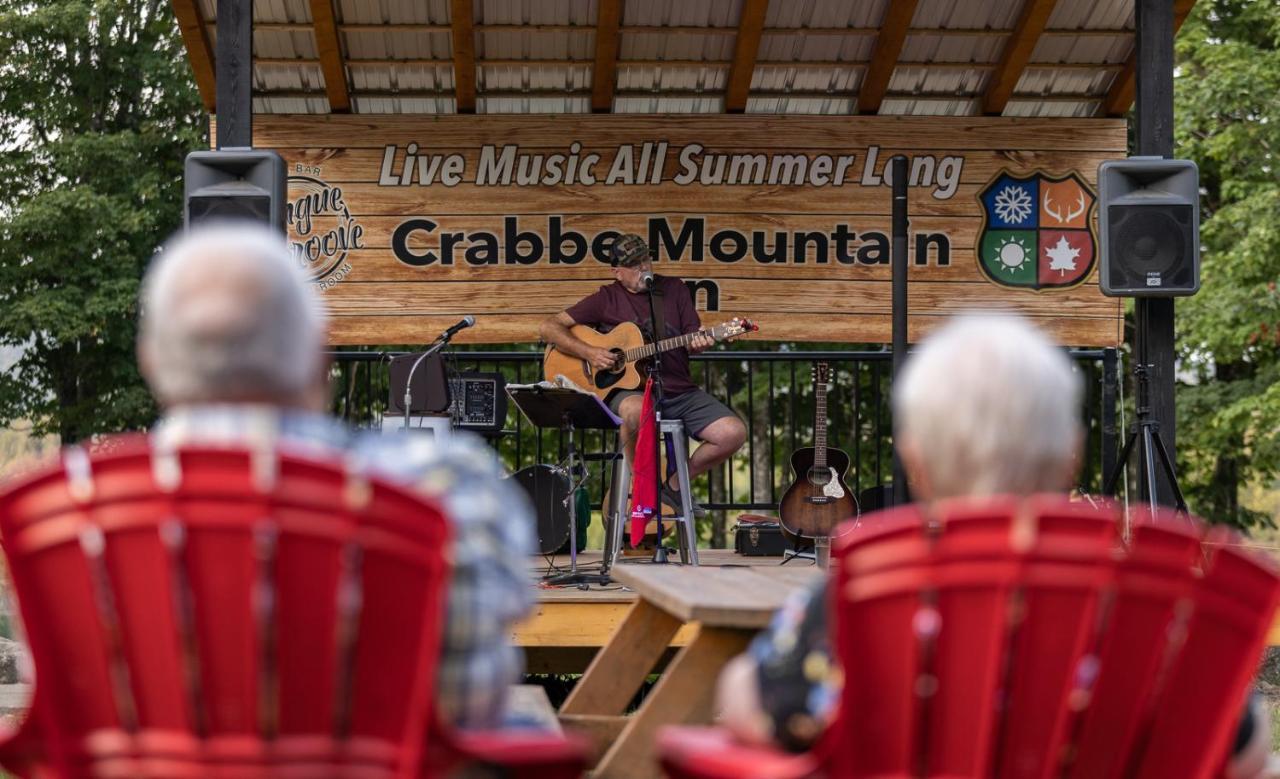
point(467, 321)
point(646, 278)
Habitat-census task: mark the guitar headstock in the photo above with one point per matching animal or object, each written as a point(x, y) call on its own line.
point(821, 373)
point(733, 328)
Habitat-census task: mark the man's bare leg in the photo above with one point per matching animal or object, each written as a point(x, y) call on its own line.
point(629, 410)
point(720, 440)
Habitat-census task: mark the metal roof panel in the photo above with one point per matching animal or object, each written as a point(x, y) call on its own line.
point(403, 105)
point(291, 105)
point(715, 13)
point(533, 105)
point(801, 47)
point(1092, 14)
point(712, 104)
point(840, 82)
point(801, 105)
point(930, 107)
point(397, 45)
point(681, 46)
point(538, 77)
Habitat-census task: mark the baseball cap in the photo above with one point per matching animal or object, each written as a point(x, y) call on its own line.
point(628, 251)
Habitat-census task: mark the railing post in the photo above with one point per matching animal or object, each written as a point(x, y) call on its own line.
point(1110, 387)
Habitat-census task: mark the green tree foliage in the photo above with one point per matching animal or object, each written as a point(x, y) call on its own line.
point(97, 110)
point(1228, 121)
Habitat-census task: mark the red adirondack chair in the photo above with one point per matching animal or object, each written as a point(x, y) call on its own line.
point(1024, 638)
point(225, 612)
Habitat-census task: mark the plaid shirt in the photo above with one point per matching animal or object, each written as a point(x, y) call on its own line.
point(489, 588)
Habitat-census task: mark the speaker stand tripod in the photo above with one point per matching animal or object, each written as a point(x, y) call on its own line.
point(1146, 433)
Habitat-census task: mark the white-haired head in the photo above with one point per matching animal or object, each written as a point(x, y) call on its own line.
point(228, 316)
point(988, 405)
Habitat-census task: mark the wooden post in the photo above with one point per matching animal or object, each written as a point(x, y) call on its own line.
point(234, 69)
point(1154, 136)
point(900, 321)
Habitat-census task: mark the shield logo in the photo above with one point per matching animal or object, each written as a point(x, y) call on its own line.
point(1037, 230)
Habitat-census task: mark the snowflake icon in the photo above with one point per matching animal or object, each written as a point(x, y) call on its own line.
point(1013, 204)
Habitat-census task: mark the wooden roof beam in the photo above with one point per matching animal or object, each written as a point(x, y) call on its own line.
point(334, 69)
point(195, 35)
point(604, 71)
point(745, 50)
point(1123, 90)
point(463, 25)
point(884, 58)
point(1016, 54)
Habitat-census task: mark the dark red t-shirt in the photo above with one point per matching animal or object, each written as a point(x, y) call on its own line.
point(612, 305)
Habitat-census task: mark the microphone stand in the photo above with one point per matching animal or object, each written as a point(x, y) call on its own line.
point(655, 374)
point(439, 344)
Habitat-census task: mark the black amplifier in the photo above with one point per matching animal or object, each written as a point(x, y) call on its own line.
point(478, 401)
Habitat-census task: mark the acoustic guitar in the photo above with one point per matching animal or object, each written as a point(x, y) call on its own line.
point(628, 346)
point(818, 499)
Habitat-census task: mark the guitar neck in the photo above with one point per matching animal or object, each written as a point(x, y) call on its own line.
point(820, 426)
point(667, 344)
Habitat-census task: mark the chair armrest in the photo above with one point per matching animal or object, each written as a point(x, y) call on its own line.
point(711, 753)
point(521, 754)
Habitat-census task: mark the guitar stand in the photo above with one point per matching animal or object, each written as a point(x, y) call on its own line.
point(792, 554)
point(796, 552)
point(565, 409)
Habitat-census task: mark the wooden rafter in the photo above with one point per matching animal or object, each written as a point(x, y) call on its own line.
point(195, 35)
point(884, 58)
point(1016, 54)
point(604, 72)
point(463, 26)
point(1123, 90)
point(745, 50)
point(330, 49)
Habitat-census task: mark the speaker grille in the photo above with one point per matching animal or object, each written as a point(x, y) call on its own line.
point(253, 207)
point(1149, 249)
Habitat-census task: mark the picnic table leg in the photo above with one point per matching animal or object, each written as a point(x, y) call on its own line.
point(683, 695)
point(621, 665)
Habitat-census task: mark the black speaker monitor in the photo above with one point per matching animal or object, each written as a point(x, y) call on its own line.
point(235, 184)
point(1149, 227)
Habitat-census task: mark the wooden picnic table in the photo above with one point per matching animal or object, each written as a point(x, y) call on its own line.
point(729, 605)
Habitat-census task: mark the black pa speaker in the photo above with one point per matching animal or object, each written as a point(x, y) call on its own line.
point(1150, 227)
point(235, 184)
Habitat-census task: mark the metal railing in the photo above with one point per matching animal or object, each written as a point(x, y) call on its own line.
point(772, 392)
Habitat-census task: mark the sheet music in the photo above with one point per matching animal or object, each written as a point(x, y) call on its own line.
point(561, 382)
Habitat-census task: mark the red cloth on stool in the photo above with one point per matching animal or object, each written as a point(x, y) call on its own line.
point(644, 471)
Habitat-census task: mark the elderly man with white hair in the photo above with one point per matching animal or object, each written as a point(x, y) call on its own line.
point(986, 405)
point(232, 343)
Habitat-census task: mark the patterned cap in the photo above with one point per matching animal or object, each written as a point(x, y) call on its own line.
point(628, 251)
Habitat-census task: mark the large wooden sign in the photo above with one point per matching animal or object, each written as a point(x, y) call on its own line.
point(407, 223)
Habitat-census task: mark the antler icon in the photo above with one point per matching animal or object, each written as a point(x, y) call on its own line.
point(1072, 214)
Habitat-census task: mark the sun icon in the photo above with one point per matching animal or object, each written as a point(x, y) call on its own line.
point(1013, 254)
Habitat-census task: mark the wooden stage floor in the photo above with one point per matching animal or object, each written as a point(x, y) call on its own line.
point(570, 624)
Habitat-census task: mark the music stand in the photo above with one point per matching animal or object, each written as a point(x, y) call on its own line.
point(546, 405)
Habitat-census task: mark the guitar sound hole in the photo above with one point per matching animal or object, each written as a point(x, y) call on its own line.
point(609, 378)
point(819, 477)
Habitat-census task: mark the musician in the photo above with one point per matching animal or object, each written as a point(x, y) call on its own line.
point(626, 300)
